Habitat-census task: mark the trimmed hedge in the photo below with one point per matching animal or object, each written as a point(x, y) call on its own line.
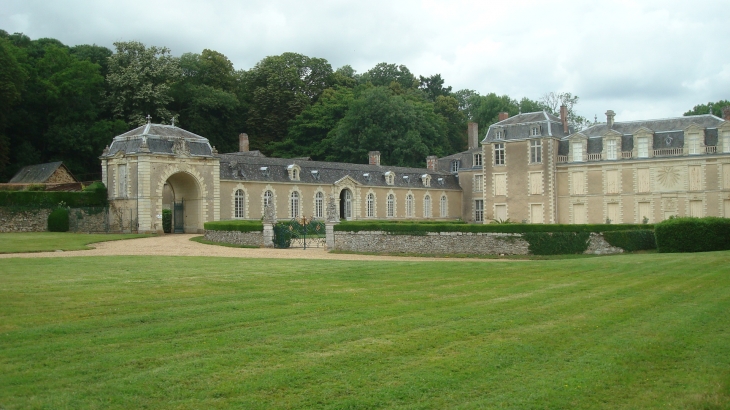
point(693, 234)
point(557, 243)
point(58, 220)
point(166, 221)
point(408, 226)
point(50, 199)
point(235, 225)
point(631, 241)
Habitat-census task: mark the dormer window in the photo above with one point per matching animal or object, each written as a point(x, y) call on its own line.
point(499, 135)
point(426, 180)
point(440, 181)
point(366, 176)
point(477, 160)
point(315, 174)
point(535, 131)
point(407, 179)
point(455, 165)
point(294, 172)
point(390, 178)
point(265, 171)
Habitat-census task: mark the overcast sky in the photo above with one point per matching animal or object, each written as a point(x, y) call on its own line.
point(642, 59)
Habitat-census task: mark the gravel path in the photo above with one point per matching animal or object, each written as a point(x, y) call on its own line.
point(181, 245)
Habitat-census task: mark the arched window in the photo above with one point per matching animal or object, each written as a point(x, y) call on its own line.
point(294, 203)
point(268, 198)
point(409, 206)
point(370, 206)
point(390, 211)
point(427, 206)
point(319, 205)
point(444, 206)
point(238, 206)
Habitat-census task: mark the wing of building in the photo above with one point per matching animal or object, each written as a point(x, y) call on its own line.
point(531, 167)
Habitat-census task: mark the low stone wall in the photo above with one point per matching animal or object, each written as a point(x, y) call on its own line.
point(235, 237)
point(432, 243)
point(486, 243)
point(84, 220)
point(35, 220)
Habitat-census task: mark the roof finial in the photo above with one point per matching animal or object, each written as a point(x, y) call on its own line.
point(595, 119)
point(173, 120)
point(709, 105)
point(149, 118)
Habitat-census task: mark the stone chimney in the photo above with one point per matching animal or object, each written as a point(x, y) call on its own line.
point(374, 157)
point(564, 119)
point(503, 115)
point(726, 113)
point(610, 115)
point(432, 162)
point(242, 142)
point(473, 132)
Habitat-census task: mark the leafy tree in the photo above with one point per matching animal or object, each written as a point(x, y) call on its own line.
point(485, 109)
point(552, 102)
point(433, 86)
point(705, 108)
point(454, 120)
point(278, 89)
point(96, 54)
point(384, 74)
point(12, 78)
point(139, 82)
point(403, 129)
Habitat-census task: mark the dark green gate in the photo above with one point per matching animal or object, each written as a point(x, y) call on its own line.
point(178, 217)
point(298, 233)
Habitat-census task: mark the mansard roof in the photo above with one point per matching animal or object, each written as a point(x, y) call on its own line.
point(520, 126)
point(665, 125)
point(243, 167)
point(160, 139)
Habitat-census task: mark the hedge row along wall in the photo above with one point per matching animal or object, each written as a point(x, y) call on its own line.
point(92, 196)
point(693, 234)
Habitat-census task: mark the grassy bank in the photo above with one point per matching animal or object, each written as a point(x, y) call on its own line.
point(628, 331)
point(52, 241)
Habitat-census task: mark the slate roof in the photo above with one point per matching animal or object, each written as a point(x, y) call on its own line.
point(160, 140)
point(36, 174)
point(519, 127)
point(236, 166)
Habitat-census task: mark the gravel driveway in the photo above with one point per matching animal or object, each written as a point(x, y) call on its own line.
point(181, 245)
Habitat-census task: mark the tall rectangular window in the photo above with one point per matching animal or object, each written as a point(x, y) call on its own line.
point(693, 144)
point(478, 183)
point(695, 209)
point(499, 154)
point(454, 166)
point(611, 149)
point(500, 184)
point(612, 181)
point(644, 183)
point(477, 160)
point(613, 213)
point(444, 206)
point(643, 147)
point(319, 205)
point(478, 210)
point(535, 151)
point(536, 183)
point(695, 178)
point(122, 181)
point(578, 183)
point(577, 149)
point(500, 212)
point(725, 176)
point(645, 212)
point(536, 216)
point(726, 143)
point(390, 206)
point(579, 214)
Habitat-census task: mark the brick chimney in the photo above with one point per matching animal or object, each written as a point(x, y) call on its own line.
point(610, 115)
point(243, 142)
point(473, 132)
point(503, 115)
point(374, 157)
point(432, 162)
point(564, 118)
point(726, 113)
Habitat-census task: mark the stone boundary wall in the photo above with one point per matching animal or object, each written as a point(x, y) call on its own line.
point(36, 220)
point(236, 237)
point(481, 243)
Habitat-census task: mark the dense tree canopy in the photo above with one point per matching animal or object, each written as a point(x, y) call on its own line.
point(705, 108)
point(65, 103)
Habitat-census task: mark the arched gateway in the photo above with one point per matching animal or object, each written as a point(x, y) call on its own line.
point(156, 167)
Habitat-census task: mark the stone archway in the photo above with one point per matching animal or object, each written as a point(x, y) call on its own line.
point(185, 190)
point(346, 204)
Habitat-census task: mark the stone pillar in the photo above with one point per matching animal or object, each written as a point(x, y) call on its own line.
point(243, 142)
point(473, 133)
point(432, 162)
point(268, 235)
point(329, 229)
point(333, 218)
point(610, 115)
point(564, 118)
point(374, 157)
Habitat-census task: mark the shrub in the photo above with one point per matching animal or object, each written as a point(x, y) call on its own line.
point(693, 234)
point(235, 225)
point(58, 220)
point(166, 220)
point(557, 243)
point(633, 240)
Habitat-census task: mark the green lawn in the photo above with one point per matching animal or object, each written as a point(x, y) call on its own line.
point(628, 331)
point(52, 241)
